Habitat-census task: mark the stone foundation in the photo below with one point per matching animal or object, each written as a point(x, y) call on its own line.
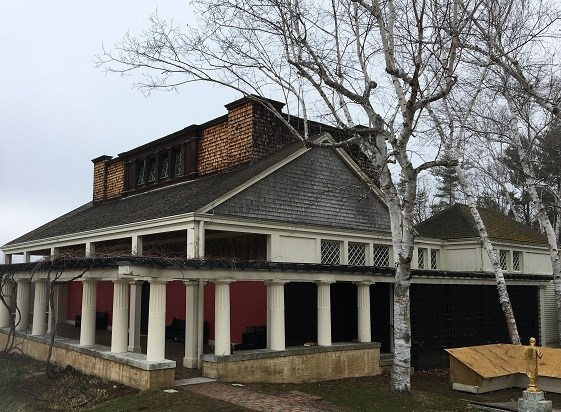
point(131, 369)
point(296, 365)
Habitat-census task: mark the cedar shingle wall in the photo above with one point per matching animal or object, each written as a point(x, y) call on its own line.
point(115, 179)
point(240, 138)
point(99, 181)
point(269, 133)
point(227, 144)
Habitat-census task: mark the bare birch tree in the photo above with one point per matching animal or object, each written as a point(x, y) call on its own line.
point(519, 39)
point(451, 126)
point(346, 63)
point(523, 129)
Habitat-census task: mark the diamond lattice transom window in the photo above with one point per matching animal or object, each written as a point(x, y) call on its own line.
point(503, 259)
point(357, 254)
point(330, 252)
point(516, 261)
point(381, 256)
point(434, 259)
point(421, 258)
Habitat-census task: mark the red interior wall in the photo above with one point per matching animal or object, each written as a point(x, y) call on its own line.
point(104, 298)
point(103, 301)
point(74, 304)
point(248, 307)
point(175, 301)
point(209, 308)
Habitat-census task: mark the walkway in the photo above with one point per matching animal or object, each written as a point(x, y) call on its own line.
point(293, 401)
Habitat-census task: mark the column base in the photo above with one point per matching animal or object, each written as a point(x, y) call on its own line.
point(135, 349)
point(534, 402)
point(190, 363)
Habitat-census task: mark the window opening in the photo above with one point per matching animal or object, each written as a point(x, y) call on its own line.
point(516, 261)
point(421, 258)
point(357, 254)
point(434, 259)
point(503, 259)
point(330, 252)
point(152, 174)
point(141, 171)
point(178, 164)
point(164, 174)
point(381, 256)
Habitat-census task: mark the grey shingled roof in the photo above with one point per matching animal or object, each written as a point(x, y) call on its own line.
point(167, 201)
point(456, 222)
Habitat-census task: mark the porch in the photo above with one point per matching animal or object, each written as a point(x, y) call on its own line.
point(115, 287)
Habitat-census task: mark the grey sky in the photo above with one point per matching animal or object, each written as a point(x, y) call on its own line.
point(58, 112)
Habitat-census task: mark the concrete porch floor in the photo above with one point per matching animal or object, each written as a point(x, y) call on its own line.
point(174, 350)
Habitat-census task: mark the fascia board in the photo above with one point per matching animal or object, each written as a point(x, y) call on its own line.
point(267, 226)
point(145, 227)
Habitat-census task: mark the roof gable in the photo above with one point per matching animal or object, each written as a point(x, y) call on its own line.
point(456, 222)
point(317, 188)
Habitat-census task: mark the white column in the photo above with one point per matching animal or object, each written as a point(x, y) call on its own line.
point(22, 303)
point(134, 316)
point(191, 323)
point(222, 345)
point(7, 258)
point(90, 249)
point(201, 240)
point(40, 307)
point(324, 313)
point(119, 327)
point(137, 245)
point(26, 257)
point(156, 350)
point(193, 240)
point(87, 327)
point(363, 307)
point(5, 311)
point(275, 293)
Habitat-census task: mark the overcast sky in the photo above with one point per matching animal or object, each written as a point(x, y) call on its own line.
point(58, 111)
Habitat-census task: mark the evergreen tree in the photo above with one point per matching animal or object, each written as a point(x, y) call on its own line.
point(447, 189)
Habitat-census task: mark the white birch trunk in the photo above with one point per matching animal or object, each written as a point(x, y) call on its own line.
point(504, 298)
point(402, 241)
point(400, 376)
